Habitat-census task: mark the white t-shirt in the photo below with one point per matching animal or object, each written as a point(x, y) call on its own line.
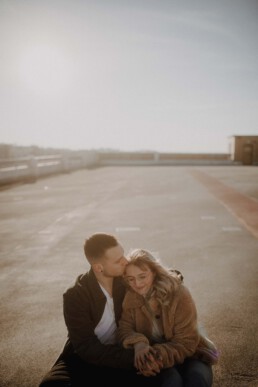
point(106, 328)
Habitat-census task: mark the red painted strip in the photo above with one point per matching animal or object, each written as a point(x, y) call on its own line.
point(243, 207)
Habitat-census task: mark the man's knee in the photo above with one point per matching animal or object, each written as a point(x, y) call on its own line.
point(59, 375)
point(50, 381)
point(56, 383)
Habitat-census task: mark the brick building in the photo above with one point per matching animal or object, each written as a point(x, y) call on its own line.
point(244, 149)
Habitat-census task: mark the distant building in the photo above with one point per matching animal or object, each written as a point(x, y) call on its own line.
point(244, 149)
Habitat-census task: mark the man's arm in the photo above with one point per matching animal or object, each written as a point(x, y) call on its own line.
point(80, 325)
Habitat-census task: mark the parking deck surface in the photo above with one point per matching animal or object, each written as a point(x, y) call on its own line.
point(200, 220)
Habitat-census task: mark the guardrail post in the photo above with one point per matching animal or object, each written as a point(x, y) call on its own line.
point(156, 156)
point(66, 164)
point(32, 170)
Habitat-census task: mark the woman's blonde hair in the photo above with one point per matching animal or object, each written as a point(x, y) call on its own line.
point(165, 282)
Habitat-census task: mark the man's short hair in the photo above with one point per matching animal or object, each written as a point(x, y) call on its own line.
point(97, 244)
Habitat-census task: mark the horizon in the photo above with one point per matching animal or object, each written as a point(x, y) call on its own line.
point(104, 149)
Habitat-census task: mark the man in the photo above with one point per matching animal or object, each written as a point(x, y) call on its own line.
point(92, 308)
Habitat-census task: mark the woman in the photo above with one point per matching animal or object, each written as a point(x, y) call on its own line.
point(159, 320)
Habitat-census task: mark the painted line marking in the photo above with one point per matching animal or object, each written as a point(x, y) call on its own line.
point(127, 229)
point(231, 229)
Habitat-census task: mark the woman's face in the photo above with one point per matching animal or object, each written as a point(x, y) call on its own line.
point(140, 280)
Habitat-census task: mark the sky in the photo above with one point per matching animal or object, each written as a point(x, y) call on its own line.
point(163, 75)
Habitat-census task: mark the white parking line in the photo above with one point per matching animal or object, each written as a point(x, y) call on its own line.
point(231, 229)
point(208, 217)
point(126, 229)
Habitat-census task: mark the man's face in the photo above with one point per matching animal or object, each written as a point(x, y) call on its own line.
point(114, 262)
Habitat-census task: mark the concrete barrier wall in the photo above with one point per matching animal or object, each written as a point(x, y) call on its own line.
point(155, 158)
point(166, 162)
point(30, 169)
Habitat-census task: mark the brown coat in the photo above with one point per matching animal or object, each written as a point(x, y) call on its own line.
point(179, 321)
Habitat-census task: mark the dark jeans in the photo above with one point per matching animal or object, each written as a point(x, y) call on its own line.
point(72, 371)
point(192, 373)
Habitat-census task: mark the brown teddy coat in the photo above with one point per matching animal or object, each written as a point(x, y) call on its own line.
point(181, 337)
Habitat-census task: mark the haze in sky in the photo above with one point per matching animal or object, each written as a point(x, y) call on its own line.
point(164, 75)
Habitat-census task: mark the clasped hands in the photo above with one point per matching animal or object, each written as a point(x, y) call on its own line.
point(147, 360)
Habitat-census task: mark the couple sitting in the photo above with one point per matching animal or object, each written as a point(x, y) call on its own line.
point(130, 321)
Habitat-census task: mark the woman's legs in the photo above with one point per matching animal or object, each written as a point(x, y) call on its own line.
point(169, 377)
point(196, 373)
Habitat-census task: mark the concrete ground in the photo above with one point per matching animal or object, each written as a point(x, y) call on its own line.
point(200, 220)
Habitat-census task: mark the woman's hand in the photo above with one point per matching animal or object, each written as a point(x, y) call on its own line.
point(141, 351)
point(147, 360)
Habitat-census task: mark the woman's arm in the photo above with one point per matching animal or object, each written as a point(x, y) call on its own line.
point(185, 336)
point(126, 332)
point(144, 355)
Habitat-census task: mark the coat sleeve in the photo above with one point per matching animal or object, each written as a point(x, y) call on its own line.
point(126, 332)
point(185, 336)
point(80, 326)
